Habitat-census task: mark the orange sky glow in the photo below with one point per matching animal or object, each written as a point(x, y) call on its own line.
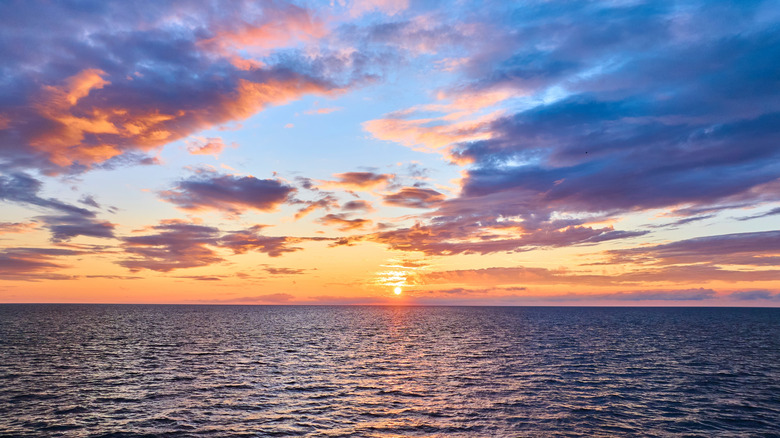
point(389, 152)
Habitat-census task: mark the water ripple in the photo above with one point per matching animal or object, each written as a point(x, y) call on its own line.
point(232, 371)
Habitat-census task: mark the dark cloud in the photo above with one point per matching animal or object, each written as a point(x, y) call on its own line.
point(682, 112)
point(751, 295)
point(229, 193)
point(89, 200)
point(175, 245)
point(64, 228)
point(756, 249)
point(414, 197)
point(681, 115)
point(772, 212)
point(71, 222)
point(34, 264)
point(357, 205)
point(22, 188)
point(684, 221)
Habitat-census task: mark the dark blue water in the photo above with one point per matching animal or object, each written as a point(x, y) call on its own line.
point(126, 370)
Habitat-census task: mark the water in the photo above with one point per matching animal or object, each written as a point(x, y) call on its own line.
point(127, 370)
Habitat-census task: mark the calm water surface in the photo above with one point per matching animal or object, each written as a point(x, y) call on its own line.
point(126, 370)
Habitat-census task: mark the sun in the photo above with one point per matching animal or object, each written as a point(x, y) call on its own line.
point(397, 290)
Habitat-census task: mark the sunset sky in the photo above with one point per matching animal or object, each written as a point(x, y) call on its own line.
point(489, 153)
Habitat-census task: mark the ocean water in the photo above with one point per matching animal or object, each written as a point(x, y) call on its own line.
point(223, 371)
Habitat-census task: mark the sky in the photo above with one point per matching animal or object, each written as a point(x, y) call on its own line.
point(390, 152)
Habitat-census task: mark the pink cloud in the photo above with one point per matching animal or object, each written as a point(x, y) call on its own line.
point(17, 227)
point(207, 146)
point(343, 223)
point(359, 180)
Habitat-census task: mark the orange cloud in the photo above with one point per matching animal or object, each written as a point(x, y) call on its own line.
point(324, 110)
point(17, 227)
point(341, 222)
point(358, 180)
point(207, 146)
point(85, 121)
point(429, 134)
point(279, 27)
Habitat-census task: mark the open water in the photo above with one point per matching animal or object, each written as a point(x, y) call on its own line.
point(224, 371)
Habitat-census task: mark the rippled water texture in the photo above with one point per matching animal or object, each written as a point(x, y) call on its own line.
point(125, 370)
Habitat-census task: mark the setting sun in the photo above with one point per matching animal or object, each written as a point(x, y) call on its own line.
point(397, 290)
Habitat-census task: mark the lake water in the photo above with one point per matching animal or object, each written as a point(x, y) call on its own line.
point(223, 371)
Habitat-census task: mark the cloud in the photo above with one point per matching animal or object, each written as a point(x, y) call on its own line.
point(22, 188)
point(71, 222)
point(116, 277)
point(474, 235)
point(124, 79)
point(284, 271)
point(17, 227)
point(388, 7)
point(66, 227)
point(359, 180)
point(524, 275)
point(250, 239)
point(228, 193)
point(599, 120)
point(33, 264)
point(357, 205)
point(201, 277)
point(752, 295)
point(342, 223)
point(638, 295)
point(772, 212)
point(175, 245)
point(614, 140)
point(89, 200)
point(277, 25)
point(178, 244)
point(323, 110)
point(207, 146)
point(428, 134)
point(755, 249)
point(277, 298)
point(460, 291)
point(414, 197)
point(325, 202)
